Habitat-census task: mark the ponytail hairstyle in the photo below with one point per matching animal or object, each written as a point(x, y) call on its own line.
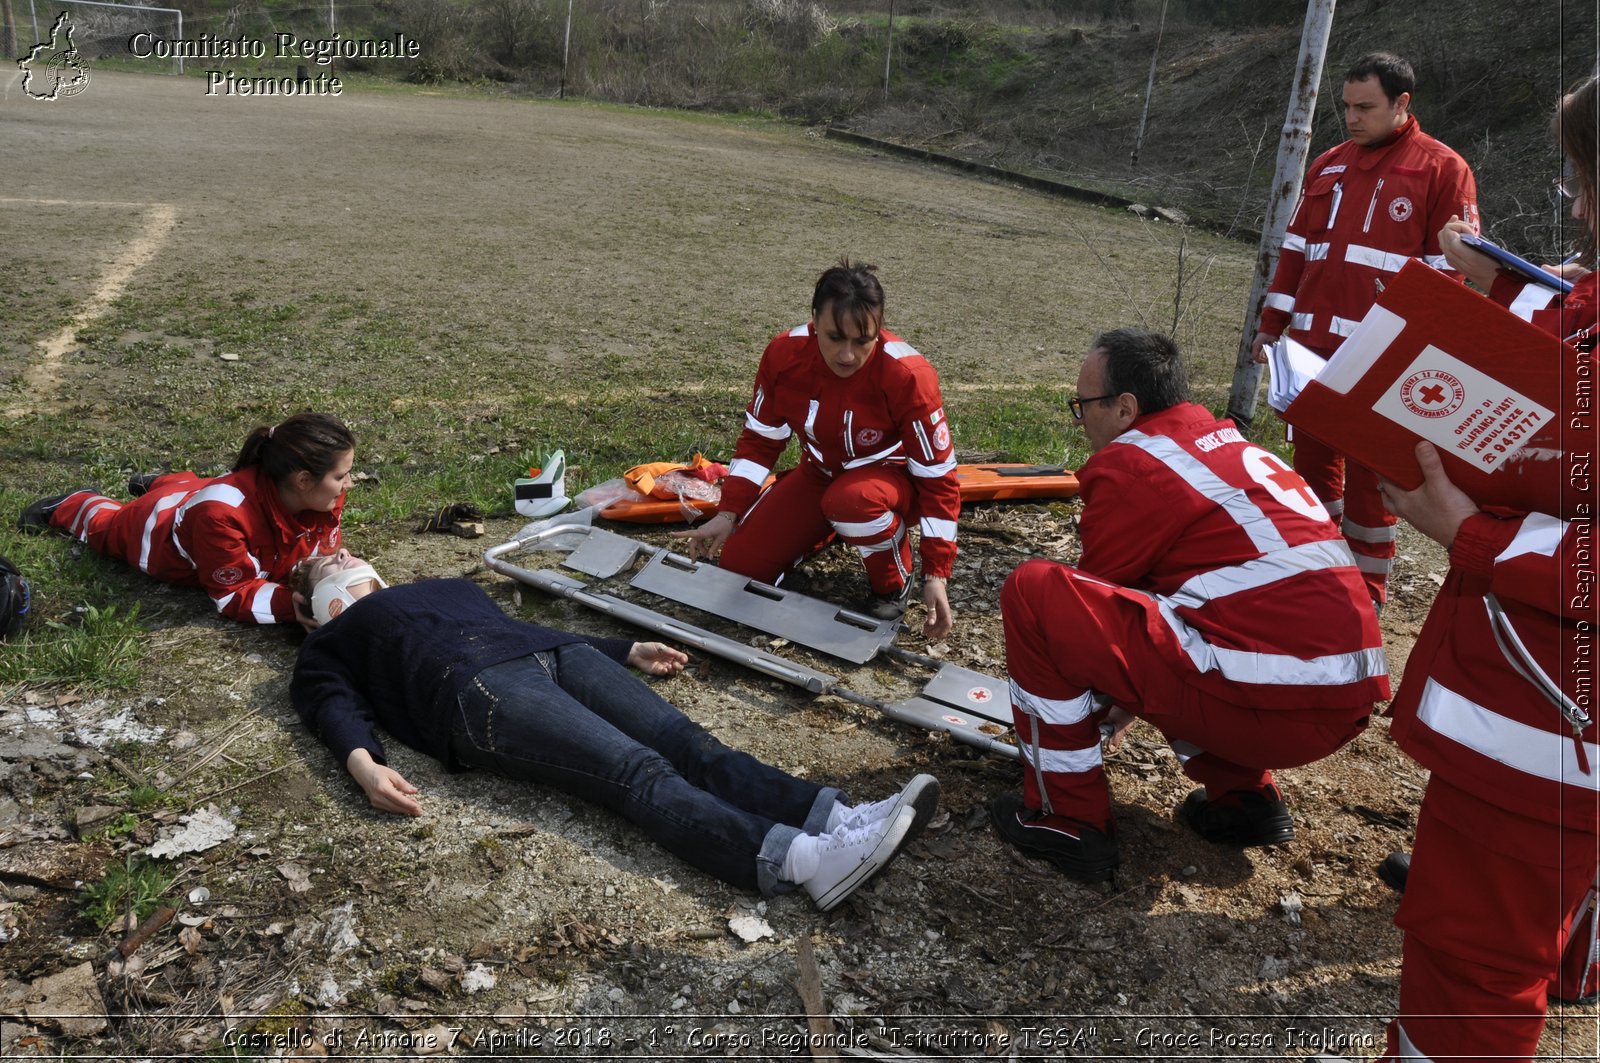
point(1577, 130)
point(307, 442)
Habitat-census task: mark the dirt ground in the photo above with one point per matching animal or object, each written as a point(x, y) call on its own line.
point(541, 252)
point(579, 938)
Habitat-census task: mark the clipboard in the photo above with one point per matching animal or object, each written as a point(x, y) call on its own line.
point(1433, 360)
point(1516, 264)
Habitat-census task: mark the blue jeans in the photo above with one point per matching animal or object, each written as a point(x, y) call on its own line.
point(575, 719)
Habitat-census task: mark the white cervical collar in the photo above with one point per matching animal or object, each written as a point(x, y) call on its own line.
point(332, 595)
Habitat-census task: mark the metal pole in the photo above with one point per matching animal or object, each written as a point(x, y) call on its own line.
point(1292, 152)
point(1150, 87)
point(888, 52)
point(566, 50)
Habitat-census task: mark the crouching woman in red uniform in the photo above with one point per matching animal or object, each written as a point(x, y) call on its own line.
point(237, 536)
point(1498, 704)
point(876, 455)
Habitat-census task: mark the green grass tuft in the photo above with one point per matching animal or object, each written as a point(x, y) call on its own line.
point(101, 651)
point(138, 884)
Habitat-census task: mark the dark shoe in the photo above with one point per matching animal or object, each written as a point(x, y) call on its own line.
point(139, 483)
point(35, 519)
point(1394, 869)
point(888, 606)
point(1239, 817)
point(1084, 853)
point(1587, 999)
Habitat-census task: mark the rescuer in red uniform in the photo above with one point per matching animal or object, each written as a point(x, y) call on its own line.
point(1498, 704)
point(876, 456)
point(237, 536)
point(1213, 599)
point(1369, 205)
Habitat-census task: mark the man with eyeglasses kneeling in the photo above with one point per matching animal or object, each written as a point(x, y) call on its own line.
point(1213, 598)
point(442, 668)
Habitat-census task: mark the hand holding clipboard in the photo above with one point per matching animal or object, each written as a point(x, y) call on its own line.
point(1516, 264)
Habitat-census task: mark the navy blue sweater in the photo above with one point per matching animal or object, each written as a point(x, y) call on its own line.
point(400, 657)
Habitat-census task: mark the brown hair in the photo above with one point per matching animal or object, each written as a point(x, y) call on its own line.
point(852, 290)
point(307, 442)
point(1577, 130)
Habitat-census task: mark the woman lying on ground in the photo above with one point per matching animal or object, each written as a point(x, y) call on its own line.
point(237, 536)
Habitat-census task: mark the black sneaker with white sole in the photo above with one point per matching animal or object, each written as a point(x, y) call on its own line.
point(1079, 851)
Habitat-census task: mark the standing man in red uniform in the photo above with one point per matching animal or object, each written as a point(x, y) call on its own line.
point(1213, 599)
point(876, 456)
point(1369, 204)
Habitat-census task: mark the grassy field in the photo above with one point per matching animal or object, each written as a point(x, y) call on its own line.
point(467, 281)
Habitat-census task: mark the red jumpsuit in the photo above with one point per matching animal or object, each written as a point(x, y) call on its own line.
point(1213, 599)
point(875, 455)
point(229, 535)
point(1499, 901)
point(1363, 213)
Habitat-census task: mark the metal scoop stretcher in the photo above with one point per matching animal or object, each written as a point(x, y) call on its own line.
point(974, 708)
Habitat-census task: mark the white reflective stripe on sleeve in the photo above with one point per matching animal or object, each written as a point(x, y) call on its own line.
point(149, 530)
point(811, 419)
point(222, 603)
point(866, 528)
point(1342, 326)
point(745, 469)
point(767, 431)
point(816, 455)
point(1063, 712)
point(1374, 258)
point(1367, 534)
point(1540, 534)
point(1273, 669)
point(1263, 571)
point(1279, 301)
point(800, 331)
point(227, 494)
point(1335, 510)
point(1301, 322)
point(899, 349)
point(922, 440)
point(1064, 761)
point(870, 459)
point(1374, 566)
point(1316, 252)
point(1542, 754)
point(1407, 1049)
point(937, 528)
point(1231, 500)
point(1293, 242)
point(1532, 297)
point(1438, 262)
point(931, 472)
point(850, 433)
point(261, 604)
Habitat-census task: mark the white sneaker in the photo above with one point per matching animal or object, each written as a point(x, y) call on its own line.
point(921, 794)
point(848, 857)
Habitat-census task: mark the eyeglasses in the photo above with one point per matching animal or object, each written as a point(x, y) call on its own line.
point(1567, 185)
point(1075, 404)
